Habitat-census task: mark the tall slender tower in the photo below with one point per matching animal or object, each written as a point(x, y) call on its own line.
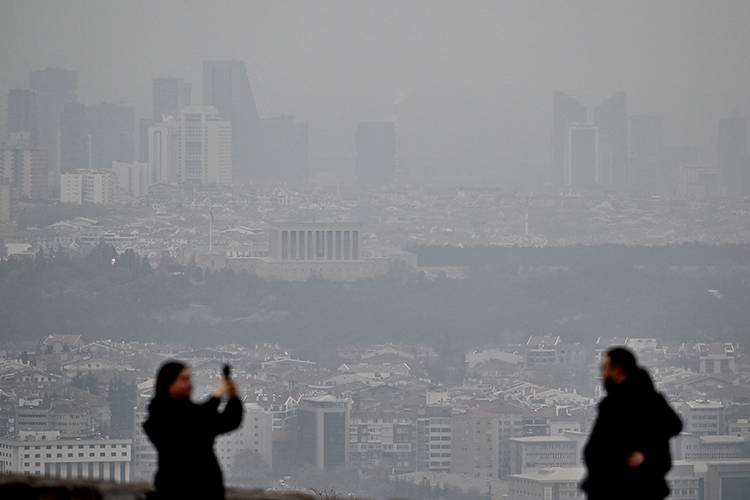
point(227, 88)
point(611, 117)
point(566, 111)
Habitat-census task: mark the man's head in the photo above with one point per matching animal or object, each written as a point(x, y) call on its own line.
point(617, 365)
point(174, 381)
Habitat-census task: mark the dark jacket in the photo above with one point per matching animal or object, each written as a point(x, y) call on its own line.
point(632, 417)
point(183, 434)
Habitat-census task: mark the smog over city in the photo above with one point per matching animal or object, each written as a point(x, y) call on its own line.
point(375, 249)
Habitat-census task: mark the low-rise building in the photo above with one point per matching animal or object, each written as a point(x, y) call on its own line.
point(547, 484)
point(530, 454)
point(46, 454)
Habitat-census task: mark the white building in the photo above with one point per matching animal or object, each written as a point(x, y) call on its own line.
point(133, 179)
point(704, 417)
point(163, 158)
point(530, 454)
point(205, 147)
point(87, 186)
point(547, 484)
point(45, 454)
point(251, 441)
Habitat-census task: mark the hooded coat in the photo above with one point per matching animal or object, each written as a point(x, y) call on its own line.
point(632, 417)
point(183, 434)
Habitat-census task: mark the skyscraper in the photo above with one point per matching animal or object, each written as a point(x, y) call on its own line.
point(731, 155)
point(375, 149)
point(112, 131)
point(170, 95)
point(162, 152)
point(22, 113)
point(74, 138)
point(285, 149)
point(566, 110)
point(54, 88)
point(583, 154)
point(143, 125)
point(611, 118)
point(205, 147)
point(227, 88)
point(646, 144)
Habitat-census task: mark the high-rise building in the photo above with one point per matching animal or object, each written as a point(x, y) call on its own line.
point(54, 88)
point(27, 169)
point(74, 138)
point(582, 161)
point(6, 204)
point(163, 158)
point(205, 147)
point(475, 440)
point(285, 148)
point(731, 155)
point(22, 113)
point(646, 142)
point(112, 131)
point(566, 110)
point(249, 446)
point(227, 88)
point(170, 95)
point(87, 186)
point(143, 125)
point(324, 431)
point(132, 179)
point(375, 147)
point(611, 118)
point(434, 439)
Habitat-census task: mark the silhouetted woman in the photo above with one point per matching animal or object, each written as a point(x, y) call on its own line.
point(183, 434)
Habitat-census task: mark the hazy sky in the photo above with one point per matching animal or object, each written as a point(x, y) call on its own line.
point(488, 66)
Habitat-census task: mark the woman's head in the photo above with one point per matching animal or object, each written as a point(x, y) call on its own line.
point(173, 381)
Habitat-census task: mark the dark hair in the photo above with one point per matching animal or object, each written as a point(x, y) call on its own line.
point(168, 373)
point(623, 358)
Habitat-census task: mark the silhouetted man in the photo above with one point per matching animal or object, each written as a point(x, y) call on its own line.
point(627, 455)
point(183, 434)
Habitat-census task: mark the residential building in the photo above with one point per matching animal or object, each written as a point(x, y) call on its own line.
point(27, 169)
point(87, 186)
point(474, 444)
point(434, 438)
point(382, 441)
point(248, 446)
